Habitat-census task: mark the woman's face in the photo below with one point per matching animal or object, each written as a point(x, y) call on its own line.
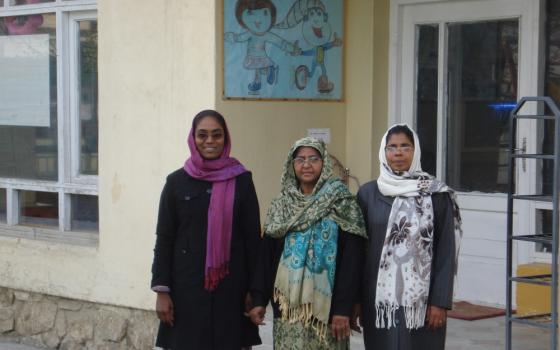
point(257, 21)
point(209, 138)
point(399, 152)
point(307, 166)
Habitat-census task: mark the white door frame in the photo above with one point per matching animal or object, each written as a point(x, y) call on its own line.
point(404, 16)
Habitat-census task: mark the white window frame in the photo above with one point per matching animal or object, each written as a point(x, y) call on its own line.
point(69, 182)
point(73, 115)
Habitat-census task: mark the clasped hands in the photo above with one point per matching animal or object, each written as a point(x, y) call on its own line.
point(340, 325)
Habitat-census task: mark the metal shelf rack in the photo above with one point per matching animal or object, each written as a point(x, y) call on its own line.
point(550, 320)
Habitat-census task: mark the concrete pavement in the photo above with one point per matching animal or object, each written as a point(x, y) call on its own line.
point(487, 334)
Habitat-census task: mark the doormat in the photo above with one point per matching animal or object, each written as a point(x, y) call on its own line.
point(470, 312)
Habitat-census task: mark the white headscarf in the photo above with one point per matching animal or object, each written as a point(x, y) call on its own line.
point(406, 183)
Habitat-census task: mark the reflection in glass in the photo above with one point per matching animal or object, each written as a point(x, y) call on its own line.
point(544, 226)
point(426, 94)
point(88, 97)
point(482, 75)
point(29, 2)
point(3, 207)
point(27, 151)
point(552, 87)
point(85, 213)
point(38, 208)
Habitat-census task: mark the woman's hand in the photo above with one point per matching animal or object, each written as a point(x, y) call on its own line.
point(435, 317)
point(356, 320)
point(340, 327)
point(257, 315)
point(164, 308)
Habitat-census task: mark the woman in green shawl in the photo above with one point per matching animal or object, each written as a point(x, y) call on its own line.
point(314, 237)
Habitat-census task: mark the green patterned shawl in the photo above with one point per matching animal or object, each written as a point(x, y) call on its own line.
point(294, 211)
point(304, 293)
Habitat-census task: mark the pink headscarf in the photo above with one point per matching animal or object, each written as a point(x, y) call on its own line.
point(221, 172)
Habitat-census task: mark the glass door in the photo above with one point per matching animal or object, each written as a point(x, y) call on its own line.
point(460, 67)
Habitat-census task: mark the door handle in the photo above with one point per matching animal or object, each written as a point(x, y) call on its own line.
point(522, 150)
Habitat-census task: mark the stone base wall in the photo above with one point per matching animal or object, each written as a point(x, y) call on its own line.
point(59, 323)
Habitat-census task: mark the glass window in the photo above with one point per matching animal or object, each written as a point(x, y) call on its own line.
point(544, 226)
point(30, 131)
point(88, 97)
point(552, 87)
point(427, 94)
point(29, 2)
point(85, 213)
point(3, 207)
point(28, 97)
point(38, 208)
point(482, 75)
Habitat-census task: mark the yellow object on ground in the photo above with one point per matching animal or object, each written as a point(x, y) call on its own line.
point(532, 299)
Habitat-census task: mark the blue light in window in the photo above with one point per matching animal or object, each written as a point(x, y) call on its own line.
point(502, 106)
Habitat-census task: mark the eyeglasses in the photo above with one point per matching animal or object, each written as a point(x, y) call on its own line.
point(403, 149)
point(313, 160)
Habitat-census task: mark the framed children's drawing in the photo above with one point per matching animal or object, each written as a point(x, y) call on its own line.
point(283, 49)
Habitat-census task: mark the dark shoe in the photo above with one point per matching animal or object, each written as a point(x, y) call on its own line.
point(272, 75)
point(324, 85)
point(255, 86)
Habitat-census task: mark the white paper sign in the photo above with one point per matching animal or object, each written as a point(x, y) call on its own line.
point(321, 134)
point(24, 80)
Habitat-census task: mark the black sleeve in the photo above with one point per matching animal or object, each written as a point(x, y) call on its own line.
point(363, 204)
point(166, 231)
point(250, 226)
point(349, 271)
point(443, 262)
point(268, 266)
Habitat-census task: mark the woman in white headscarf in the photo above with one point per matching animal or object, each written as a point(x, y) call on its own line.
point(414, 229)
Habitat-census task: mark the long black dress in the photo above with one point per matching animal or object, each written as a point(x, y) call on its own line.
point(376, 209)
point(205, 320)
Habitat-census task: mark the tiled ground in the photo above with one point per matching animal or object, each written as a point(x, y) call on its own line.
point(487, 334)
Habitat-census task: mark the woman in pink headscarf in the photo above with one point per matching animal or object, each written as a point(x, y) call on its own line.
point(208, 236)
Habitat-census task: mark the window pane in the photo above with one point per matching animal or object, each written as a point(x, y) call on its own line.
point(426, 98)
point(88, 97)
point(85, 213)
point(3, 207)
point(482, 91)
point(28, 109)
point(544, 226)
point(552, 87)
point(38, 208)
point(28, 2)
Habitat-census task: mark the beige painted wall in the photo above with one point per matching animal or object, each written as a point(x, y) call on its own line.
point(367, 74)
point(154, 76)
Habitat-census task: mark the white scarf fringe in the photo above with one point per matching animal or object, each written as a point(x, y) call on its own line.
point(415, 315)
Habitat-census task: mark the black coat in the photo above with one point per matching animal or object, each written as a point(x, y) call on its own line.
point(205, 320)
point(376, 209)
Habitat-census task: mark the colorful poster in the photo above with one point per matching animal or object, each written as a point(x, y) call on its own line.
point(283, 49)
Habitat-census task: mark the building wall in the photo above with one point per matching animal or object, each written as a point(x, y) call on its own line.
point(155, 73)
point(367, 74)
